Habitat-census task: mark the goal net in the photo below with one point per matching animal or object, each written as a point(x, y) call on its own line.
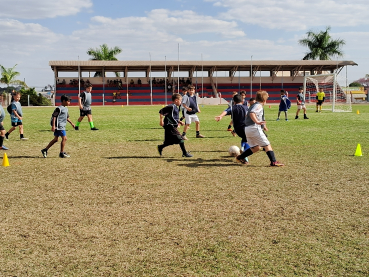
point(336, 99)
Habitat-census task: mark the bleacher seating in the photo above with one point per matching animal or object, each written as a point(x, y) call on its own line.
point(140, 94)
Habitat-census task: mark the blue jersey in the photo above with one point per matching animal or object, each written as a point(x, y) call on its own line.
point(16, 106)
point(238, 113)
point(171, 113)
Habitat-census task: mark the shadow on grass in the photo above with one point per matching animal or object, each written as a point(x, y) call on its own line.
point(133, 157)
point(25, 157)
point(160, 140)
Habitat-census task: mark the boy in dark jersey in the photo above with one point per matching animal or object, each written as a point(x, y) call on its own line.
point(16, 116)
point(59, 120)
point(169, 120)
point(238, 112)
point(84, 102)
point(2, 129)
point(190, 104)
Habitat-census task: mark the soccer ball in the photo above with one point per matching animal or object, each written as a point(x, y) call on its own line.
point(234, 151)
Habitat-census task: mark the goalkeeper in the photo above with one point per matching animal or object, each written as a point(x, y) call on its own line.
point(320, 97)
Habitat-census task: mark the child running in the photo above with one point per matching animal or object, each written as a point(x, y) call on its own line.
point(238, 112)
point(16, 116)
point(190, 103)
point(84, 102)
point(254, 133)
point(59, 120)
point(169, 120)
point(2, 129)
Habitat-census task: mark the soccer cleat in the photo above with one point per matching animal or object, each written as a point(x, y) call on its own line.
point(277, 119)
point(160, 149)
point(296, 117)
point(229, 130)
point(305, 117)
point(4, 147)
point(23, 138)
point(240, 160)
point(94, 129)
point(6, 136)
point(200, 136)
point(63, 155)
point(286, 119)
point(316, 111)
point(76, 128)
point(276, 163)
point(187, 155)
point(44, 153)
point(184, 137)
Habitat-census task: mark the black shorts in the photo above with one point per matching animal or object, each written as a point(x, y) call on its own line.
point(18, 123)
point(241, 133)
point(172, 135)
point(319, 102)
point(1, 127)
point(84, 112)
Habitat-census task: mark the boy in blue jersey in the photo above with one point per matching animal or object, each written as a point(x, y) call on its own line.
point(16, 116)
point(190, 104)
point(84, 102)
point(59, 120)
point(2, 129)
point(238, 112)
point(284, 105)
point(169, 120)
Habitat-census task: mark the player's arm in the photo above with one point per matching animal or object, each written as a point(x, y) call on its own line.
point(71, 123)
point(53, 125)
point(16, 114)
point(161, 120)
point(80, 102)
point(255, 119)
point(219, 117)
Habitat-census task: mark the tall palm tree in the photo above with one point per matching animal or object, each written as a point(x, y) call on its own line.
point(321, 45)
point(104, 53)
point(8, 76)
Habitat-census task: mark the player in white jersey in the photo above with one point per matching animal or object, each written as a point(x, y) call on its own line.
point(256, 138)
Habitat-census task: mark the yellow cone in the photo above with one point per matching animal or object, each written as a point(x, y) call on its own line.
point(5, 160)
point(122, 106)
point(357, 112)
point(358, 151)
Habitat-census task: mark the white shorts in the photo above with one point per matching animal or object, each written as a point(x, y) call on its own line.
point(256, 137)
point(191, 118)
point(299, 107)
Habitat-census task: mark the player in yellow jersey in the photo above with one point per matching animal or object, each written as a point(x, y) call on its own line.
point(320, 97)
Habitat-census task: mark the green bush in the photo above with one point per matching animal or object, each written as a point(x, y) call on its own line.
point(34, 98)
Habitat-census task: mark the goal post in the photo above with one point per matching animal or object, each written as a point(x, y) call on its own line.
point(336, 99)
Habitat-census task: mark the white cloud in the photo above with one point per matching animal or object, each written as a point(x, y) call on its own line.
point(36, 9)
point(295, 15)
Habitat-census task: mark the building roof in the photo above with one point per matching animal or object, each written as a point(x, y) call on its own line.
point(257, 65)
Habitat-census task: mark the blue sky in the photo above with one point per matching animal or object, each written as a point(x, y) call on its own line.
point(33, 32)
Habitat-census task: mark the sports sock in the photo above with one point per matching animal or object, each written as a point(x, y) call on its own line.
point(229, 126)
point(183, 134)
point(197, 132)
point(1, 141)
point(7, 135)
point(246, 153)
point(183, 148)
point(92, 124)
point(21, 136)
point(271, 156)
point(77, 124)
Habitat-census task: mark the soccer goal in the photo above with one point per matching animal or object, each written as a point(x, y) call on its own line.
point(336, 99)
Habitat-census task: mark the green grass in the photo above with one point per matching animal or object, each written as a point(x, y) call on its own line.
point(115, 208)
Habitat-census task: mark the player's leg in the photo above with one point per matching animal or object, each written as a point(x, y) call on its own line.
point(285, 115)
point(20, 126)
point(2, 137)
point(51, 143)
point(298, 111)
point(230, 126)
point(79, 120)
point(198, 135)
point(14, 125)
point(90, 121)
point(279, 113)
point(270, 153)
point(305, 116)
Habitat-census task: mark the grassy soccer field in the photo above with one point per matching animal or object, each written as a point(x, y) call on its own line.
point(115, 208)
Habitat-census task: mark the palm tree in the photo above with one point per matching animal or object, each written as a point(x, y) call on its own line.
point(8, 76)
point(104, 53)
point(321, 45)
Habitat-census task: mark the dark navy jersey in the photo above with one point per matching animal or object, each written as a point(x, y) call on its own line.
point(171, 113)
point(238, 113)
